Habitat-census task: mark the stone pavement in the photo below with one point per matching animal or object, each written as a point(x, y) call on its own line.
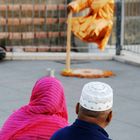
point(18, 77)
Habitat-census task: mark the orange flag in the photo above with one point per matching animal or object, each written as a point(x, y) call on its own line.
point(96, 26)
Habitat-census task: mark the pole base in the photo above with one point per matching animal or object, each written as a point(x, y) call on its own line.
point(87, 73)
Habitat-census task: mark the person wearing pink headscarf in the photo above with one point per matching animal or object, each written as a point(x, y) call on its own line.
point(45, 113)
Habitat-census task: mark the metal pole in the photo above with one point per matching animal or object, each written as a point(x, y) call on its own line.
point(119, 26)
point(33, 16)
point(40, 26)
point(21, 31)
point(6, 16)
point(122, 22)
point(45, 23)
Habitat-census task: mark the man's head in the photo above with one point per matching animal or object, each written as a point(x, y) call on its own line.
point(95, 103)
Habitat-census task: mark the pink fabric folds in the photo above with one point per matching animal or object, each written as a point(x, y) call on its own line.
point(45, 113)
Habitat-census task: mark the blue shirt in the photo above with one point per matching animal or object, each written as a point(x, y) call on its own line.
point(81, 130)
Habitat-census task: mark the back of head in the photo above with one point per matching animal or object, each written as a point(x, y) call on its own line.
point(48, 97)
point(96, 101)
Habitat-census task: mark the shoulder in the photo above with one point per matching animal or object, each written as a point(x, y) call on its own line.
point(60, 134)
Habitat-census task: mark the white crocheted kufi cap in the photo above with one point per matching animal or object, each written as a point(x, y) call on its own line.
point(97, 96)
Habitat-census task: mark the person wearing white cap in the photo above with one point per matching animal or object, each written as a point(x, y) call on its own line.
point(94, 112)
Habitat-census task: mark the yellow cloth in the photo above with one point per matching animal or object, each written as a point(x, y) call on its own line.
point(96, 26)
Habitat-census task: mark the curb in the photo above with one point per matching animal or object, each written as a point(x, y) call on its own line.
point(126, 58)
point(58, 56)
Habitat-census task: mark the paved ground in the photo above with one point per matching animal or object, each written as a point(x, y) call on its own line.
point(18, 77)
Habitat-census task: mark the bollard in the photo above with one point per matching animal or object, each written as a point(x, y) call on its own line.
point(50, 72)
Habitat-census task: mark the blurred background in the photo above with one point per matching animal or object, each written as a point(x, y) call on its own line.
point(40, 26)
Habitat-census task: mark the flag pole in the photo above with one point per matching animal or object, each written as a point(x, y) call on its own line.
point(68, 49)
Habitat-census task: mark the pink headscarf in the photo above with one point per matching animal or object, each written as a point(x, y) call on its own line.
point(45, 113)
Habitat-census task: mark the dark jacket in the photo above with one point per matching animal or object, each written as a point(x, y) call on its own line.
point(81, 130)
